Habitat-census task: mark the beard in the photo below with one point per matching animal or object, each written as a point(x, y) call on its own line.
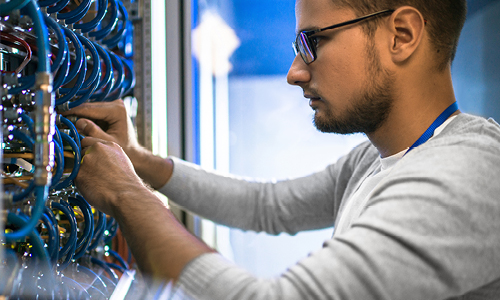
point(369, 110)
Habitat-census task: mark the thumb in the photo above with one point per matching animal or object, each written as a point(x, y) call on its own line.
point(89, 128)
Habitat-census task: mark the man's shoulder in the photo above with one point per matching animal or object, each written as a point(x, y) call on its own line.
point(470, 131)
point(467, 145)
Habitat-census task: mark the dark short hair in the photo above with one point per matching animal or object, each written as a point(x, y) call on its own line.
point(445, 19)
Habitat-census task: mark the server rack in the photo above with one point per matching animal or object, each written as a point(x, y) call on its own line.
point(55, 55)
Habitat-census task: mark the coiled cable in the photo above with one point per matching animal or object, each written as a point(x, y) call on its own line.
point(88, 231)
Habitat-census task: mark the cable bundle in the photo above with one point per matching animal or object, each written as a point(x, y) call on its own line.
point(61, 53)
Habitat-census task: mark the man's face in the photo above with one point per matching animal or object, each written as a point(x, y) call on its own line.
point(348, 88)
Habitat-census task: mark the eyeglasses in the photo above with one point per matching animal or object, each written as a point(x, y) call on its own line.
point(305, 44)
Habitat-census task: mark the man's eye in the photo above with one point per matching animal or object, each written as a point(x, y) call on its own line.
point(315, 40)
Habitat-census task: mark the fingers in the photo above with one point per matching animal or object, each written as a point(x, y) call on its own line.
point(89, 128)
point(105, 111)
point(90, 141)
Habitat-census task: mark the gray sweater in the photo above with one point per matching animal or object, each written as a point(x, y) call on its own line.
point(429, 230)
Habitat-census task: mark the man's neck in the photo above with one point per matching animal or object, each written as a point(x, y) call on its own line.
point(411, 116)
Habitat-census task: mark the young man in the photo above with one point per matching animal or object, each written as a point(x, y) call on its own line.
point(415, 209)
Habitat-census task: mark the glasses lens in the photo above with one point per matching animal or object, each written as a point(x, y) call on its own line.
point(304, 47)
point(295, 49)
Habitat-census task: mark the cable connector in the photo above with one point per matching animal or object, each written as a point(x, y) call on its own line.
point(26, 99)
point(11, 79)
point(12, 114)
point(63, 107)
point(44, 128)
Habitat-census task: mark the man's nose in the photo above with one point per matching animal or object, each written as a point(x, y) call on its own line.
point(298, 73)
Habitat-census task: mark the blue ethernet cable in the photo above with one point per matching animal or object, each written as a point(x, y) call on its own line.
point(77, 16)
point(67, 260)
point(76, 87)
point(106, 268)
point(99, 230)
point(40, 30)
point(113, 41)
point(117, 66)
point(62, 61)
point(58, 7)
point(61, 43)
point(69, 248)
point(42, 286)
point(27, 82)
point(62, 73)
point(130, 80)
point(84, 98)
point(72, 129)
point(76, 162)
point(59, 157)
point(92, 24)
point(108, 75)
point(20, 196)
point(113, 20)
point(67, 210)
point(28, 121)
point(116, 267)
point(35, 240)
point(81, 42)
point(57, 137)
point(75, 12)
point(107, 81)
point(117, 256)
point(48, 212)
point(94, 75)
point(53, 243)
point(79, 55)
point(27, 229)
point(42, 43)
point(41, 194)
point(89, 86)
point(88, 231)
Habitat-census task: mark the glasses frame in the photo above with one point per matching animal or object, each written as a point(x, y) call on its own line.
point(303, 38)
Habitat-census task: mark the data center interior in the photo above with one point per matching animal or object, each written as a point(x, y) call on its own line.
point(188, 72)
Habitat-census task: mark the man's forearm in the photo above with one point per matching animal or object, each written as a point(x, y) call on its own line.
point(161, 245)
point(154, 170)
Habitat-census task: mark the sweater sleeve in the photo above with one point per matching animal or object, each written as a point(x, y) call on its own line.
point(306, 203)
point(429, 231)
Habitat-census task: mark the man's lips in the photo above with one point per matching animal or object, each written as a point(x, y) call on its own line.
point(313, 100)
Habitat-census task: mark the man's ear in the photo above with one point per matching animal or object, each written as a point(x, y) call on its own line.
point(406, 25)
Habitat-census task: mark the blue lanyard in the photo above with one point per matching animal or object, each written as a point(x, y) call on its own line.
point(438, 122)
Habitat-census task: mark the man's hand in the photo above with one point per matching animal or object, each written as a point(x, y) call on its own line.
point(108, 121)
point(106, 173)
point(160, 244)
